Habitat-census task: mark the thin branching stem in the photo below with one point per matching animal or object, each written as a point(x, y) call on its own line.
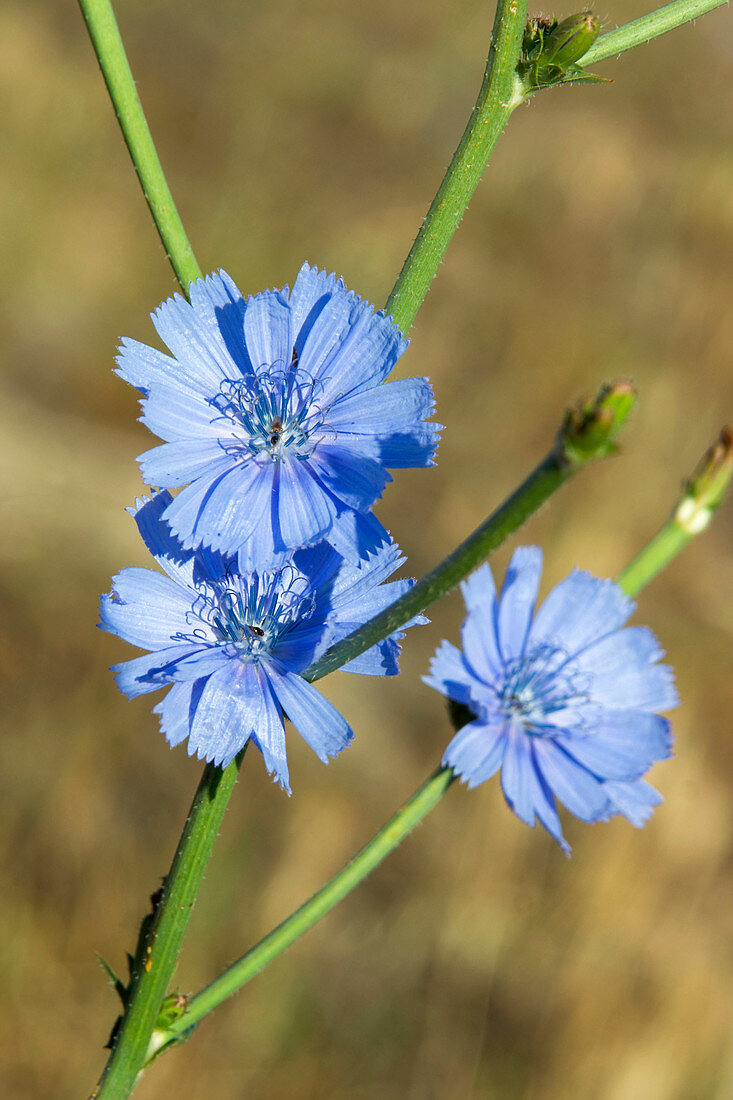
point(110, 51)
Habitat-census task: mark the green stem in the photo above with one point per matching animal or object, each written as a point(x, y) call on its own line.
point(378, 848)
point(647, 27)
point(105, 36)
point(500, 93)
point(655, 557)
point(154, 969)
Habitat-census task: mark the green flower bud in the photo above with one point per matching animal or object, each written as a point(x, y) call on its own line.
point(172, 1009)
point(569, 40)
point(589, 429)
point(706, 488)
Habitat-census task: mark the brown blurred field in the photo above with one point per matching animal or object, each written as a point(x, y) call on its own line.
point(477, 962)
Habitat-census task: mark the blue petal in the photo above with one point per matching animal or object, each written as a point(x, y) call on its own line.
point(144, 367)
point(175, 464)
point(322, 565)
point(222, 513)
point(576, 788)
point(614, 652)
point(195, 339)
point(384, 409)
point(449, 674)
point(650, 688)
point(267, 331)
point(349, 347)
point(310, 293)
point(160, 540)
point(353, 477)
point(476, 752)
point(326, 328)
point(149, 671)
point(304, 643)
point(517, 774)
point(411, 448)
point(478, 633)
point(176, 710)
point(202, 662)
point(232, 704)
point(258, 552)
point(623, 673)
point(176, 412)
point(146, 608)
point(621, 744)
point(217, 299)
point(357, 591)
point(636, 801)
point(304, 510)
point(269, 737)
point(236, 505)
point(356, 535)
point(517, 600)
point(316, 720)
point(381, 660)
point(387, 420)
point(580, 610)
point(526, 789)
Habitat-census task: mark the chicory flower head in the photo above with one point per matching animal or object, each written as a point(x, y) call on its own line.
point(276, 415)
point(565, 700)
point(232, 644)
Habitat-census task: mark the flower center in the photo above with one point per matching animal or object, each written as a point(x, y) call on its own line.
point(272, 412)
point(537, 686)
point(254, 612)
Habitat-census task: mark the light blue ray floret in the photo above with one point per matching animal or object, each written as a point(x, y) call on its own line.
point(231, 644)
point(565, 696)
point(277, 419)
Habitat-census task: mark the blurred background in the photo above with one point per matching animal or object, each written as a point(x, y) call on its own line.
point(477, 962)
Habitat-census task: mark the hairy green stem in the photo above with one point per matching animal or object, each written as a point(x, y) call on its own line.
point(378, 848)
point(105, 36)
point(647, 27)
point(156, 963)
point(500, 93)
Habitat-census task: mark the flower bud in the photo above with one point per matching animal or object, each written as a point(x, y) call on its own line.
point(570, 40)
point(706, 488)
point(172, 1008)
point(589, 428)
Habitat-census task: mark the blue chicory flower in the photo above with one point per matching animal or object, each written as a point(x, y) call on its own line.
point(565, 700)
point(232, 645)
point(276, 415)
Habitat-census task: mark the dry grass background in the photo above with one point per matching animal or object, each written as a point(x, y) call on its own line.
point(477, 962)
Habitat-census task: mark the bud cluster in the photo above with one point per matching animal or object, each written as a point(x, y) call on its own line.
point(551, 50)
